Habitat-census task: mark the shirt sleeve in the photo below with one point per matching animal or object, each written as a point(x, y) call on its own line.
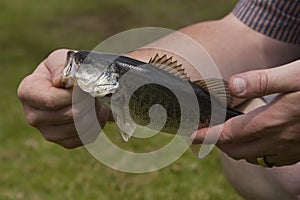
point(278, 19)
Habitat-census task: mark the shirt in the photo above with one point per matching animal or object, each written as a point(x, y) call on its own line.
point(278, 19)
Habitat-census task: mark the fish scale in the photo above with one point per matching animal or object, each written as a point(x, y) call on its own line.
point(162, 80)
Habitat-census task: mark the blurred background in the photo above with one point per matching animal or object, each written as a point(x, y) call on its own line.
point(32, 168)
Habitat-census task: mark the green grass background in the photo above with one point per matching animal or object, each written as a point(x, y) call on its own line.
point(32, 168)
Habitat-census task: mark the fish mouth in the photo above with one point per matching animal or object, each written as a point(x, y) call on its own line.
point(69, 71)
point(109, 95)
point(67, 82)
point(106, 90)
point(103, 90)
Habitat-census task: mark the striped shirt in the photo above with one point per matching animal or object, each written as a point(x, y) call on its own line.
point(278, 19)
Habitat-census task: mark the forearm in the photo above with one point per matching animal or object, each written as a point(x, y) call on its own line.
point(233, 46)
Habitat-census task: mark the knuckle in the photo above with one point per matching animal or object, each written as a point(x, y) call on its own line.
point(262, 82)
point(225, 138)
point(31, 118)
point(56, 52)
point(261, 127)
point(54, 55)
point(20, 93)
point(22, 90)
point(31, 121)
point(69, 114)
point(50, 102)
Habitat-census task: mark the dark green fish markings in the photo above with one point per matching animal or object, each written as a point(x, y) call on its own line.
point(101, 75)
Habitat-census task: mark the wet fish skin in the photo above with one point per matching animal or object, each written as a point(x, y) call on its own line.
point(101, 75)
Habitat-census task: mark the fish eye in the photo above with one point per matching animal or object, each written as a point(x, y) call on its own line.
point(78, 60)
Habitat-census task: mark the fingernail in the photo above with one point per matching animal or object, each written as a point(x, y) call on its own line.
point(239, 85)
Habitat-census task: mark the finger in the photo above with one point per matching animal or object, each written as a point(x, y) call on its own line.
point(40, 93)
point(243, 128)
point(272, 156)
point(86, 128)
point(283, 159)
point(71, 143)
point(38, 117)
point(55, 64)
point(253, 149)
point(59, 132)
point(263, 82)
point(252, 161)
point(276, 160)
point(103, 114)
point(52, 66)
point(207, 135)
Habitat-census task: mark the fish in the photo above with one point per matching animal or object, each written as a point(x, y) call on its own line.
point(161, 79)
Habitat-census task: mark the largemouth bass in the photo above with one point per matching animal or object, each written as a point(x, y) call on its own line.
point(101, 74)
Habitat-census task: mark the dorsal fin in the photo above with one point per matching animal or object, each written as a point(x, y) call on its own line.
point(166, 64)
point(217, 88)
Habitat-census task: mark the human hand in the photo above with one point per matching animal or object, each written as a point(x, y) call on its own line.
point(49, 108)
point(271, 130)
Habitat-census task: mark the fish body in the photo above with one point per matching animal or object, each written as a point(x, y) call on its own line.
point(105, 76)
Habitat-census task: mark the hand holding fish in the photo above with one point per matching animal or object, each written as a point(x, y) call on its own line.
point(48, 107)
point(270, 131)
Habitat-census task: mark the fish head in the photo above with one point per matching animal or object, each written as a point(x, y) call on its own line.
point(95, 75)
point(98, 82)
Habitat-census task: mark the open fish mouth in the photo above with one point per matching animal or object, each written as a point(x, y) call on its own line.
point(97, 81)
point(98, 90)
point(69, 71)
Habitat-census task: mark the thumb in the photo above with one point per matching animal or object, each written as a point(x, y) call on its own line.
point(55, 64)
point(269, 81)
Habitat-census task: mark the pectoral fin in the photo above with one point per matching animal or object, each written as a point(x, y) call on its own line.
point(126, 128)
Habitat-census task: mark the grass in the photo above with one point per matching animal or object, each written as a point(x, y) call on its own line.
point(32, 168)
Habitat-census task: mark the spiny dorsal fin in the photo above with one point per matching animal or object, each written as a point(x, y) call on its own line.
point(166, 64)
point(218, 88)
